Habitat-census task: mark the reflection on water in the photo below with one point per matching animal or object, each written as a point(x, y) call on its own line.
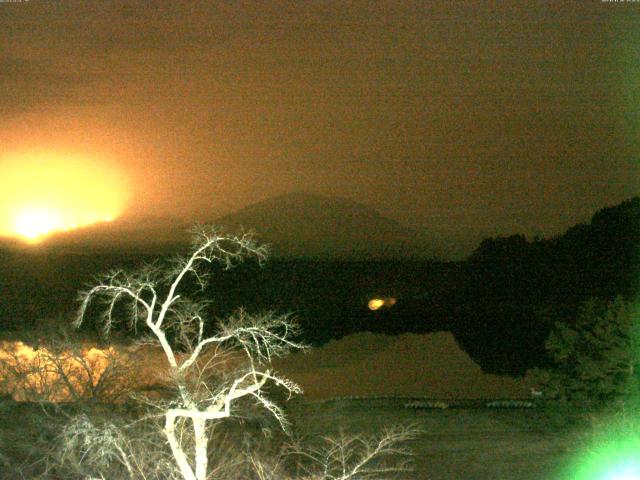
point(378, 303)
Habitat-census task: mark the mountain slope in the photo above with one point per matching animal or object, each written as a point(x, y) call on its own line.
point(296, 225)
point(306, 225)
point(146, 234)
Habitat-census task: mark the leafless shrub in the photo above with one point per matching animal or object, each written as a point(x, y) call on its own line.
point(63, 370)
point(357, 457)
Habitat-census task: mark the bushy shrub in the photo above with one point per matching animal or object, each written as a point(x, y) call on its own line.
point(596, 359)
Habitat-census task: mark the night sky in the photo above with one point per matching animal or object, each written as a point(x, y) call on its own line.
point(460, 118)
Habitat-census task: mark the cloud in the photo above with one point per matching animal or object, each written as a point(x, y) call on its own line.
point(36, 84)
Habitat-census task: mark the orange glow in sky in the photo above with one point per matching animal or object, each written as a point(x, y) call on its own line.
point(44, 193)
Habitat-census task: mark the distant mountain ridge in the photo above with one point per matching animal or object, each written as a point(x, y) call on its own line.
point(144, 234)
point(307, 225)
point(296, 225)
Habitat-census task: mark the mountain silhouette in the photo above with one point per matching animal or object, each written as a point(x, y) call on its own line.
point(296, 225)
point(308, 225)
point(145, 234)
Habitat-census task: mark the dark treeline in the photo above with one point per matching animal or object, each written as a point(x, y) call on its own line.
point(500, 303)
point(514, 290)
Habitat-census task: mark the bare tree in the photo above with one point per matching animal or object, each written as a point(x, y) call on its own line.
point(345, 457)
point(357, 457)
point(153, 300)
point(63, 370)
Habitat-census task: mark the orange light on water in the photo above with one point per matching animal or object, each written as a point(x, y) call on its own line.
point(45, 193)
point(378, 303)
point(375, 303)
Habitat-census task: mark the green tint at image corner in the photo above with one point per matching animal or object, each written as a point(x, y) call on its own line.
point(616, 459)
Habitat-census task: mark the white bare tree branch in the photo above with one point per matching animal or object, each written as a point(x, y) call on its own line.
point(357, 457)
point(151, 295)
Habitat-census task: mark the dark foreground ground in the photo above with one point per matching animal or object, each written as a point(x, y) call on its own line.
point(457, 444)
